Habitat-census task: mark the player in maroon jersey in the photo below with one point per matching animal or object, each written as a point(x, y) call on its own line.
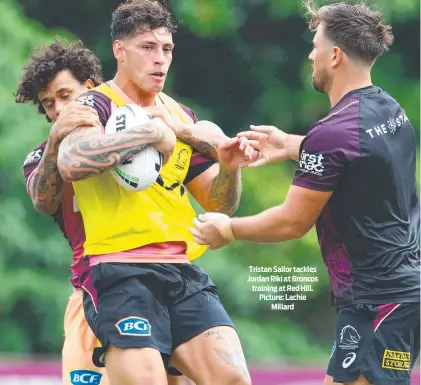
point(52, 79)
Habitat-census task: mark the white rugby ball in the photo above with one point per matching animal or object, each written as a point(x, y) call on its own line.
point(142, 170)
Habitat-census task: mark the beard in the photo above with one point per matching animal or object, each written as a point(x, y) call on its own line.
point(320, 81)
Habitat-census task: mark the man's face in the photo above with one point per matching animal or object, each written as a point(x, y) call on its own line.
point(63, 89)
point(146, 58)
point(321, 58)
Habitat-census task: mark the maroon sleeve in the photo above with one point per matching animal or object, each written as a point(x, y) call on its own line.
point(31, 162)
point(98, 101)
point(325, 154)
point(198, 163)
point(189, 112)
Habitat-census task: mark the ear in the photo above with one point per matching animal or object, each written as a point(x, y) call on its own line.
point(337, 56)
point(89, 84)
point(118, 50)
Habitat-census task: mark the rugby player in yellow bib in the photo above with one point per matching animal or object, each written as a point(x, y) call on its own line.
point(149, 306)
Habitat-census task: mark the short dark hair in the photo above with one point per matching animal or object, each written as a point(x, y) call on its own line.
point(44, 65)
point(140, 16)
point(360, 31)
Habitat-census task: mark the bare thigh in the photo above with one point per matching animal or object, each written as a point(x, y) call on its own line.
point(179, 380)
point(135, 366)
point(213, 357)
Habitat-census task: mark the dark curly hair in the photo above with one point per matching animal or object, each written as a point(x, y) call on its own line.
point(140, 16)
point(45, 64)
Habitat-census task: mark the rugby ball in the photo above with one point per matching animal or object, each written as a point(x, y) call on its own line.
point(142, 170)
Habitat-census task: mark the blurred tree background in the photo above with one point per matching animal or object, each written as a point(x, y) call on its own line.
point(236, 63)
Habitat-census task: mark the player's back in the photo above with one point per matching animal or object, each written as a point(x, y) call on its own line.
point(381, 183)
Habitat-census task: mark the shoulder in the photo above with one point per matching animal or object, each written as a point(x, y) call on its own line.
point(189, 112)
point(34, 156)
point(92, 98)
point(100, 102)
point(32, 160)
point(338, 131)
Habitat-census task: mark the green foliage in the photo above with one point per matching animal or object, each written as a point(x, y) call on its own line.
point(236, 62)
point(34, 258)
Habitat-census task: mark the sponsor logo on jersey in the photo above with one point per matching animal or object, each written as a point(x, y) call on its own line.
point(33, 157)
point(350, 358)
point(390, 126)
point(311, 163)
point(79, 377)
point(182, 159)
point(134, 326)
point(396, 360)
point(87, 100)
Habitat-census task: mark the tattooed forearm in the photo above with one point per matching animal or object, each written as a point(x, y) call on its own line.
point(225, 192)
point(204, 138)
point(46, 184)
point(83, 155)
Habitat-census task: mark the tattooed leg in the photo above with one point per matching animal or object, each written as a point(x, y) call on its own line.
point(213, 357)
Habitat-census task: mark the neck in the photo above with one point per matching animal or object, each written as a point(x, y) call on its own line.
point(344, 83)
point(143, 99)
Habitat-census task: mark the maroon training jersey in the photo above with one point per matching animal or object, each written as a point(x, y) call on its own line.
point(364, 152)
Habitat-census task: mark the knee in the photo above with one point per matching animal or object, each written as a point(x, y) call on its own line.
point(245, 379)
point(239, 378)
point(134, 366)
point(131, 378)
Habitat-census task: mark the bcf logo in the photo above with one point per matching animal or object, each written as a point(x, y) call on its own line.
point(134, 326)
point(79, 377)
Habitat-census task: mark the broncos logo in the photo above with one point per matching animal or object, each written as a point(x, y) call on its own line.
point(349, 336)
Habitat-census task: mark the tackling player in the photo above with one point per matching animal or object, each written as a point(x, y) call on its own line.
point(144, 299)
point(356, 181)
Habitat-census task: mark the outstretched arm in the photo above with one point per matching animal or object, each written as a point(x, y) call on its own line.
point(273, 144)
point(291, 220)
point(203, 136)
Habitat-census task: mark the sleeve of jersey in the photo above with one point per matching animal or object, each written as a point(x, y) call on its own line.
point(199, 163)
point(98, 101)
point(324, 156)
point(189, 112)
point(30, 164)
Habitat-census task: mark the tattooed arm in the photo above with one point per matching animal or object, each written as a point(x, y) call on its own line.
point(45, 185)
point(87, 151)
point(203, 136)
point(218, 188)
